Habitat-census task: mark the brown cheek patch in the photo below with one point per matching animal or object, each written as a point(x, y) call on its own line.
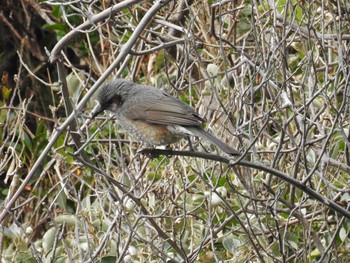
point(117, 99)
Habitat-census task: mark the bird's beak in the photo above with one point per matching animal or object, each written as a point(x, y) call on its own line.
point(96, 110)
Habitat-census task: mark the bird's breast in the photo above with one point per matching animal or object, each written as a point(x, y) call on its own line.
point(153, 134)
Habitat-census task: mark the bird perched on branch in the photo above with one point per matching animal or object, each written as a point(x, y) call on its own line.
point(151, 115)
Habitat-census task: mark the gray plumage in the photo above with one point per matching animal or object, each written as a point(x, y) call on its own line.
point(150, 114)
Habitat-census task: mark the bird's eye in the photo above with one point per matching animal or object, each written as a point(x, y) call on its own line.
point(113, 103)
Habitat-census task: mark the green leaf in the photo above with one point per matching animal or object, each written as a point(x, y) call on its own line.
point(58, 27)
point(49, 239)
point(108, 259)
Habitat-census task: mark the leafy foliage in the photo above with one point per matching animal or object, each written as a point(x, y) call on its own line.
point(270, 78)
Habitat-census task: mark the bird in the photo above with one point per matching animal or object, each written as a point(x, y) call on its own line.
point(151, 115)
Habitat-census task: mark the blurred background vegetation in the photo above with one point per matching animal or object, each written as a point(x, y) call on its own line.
point(270, 77)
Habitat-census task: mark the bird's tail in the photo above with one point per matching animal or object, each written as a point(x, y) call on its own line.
point(223, 146)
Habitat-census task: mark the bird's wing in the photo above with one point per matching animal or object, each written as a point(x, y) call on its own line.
point(162, 109)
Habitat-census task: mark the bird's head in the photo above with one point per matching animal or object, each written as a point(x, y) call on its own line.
point(111, 96)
